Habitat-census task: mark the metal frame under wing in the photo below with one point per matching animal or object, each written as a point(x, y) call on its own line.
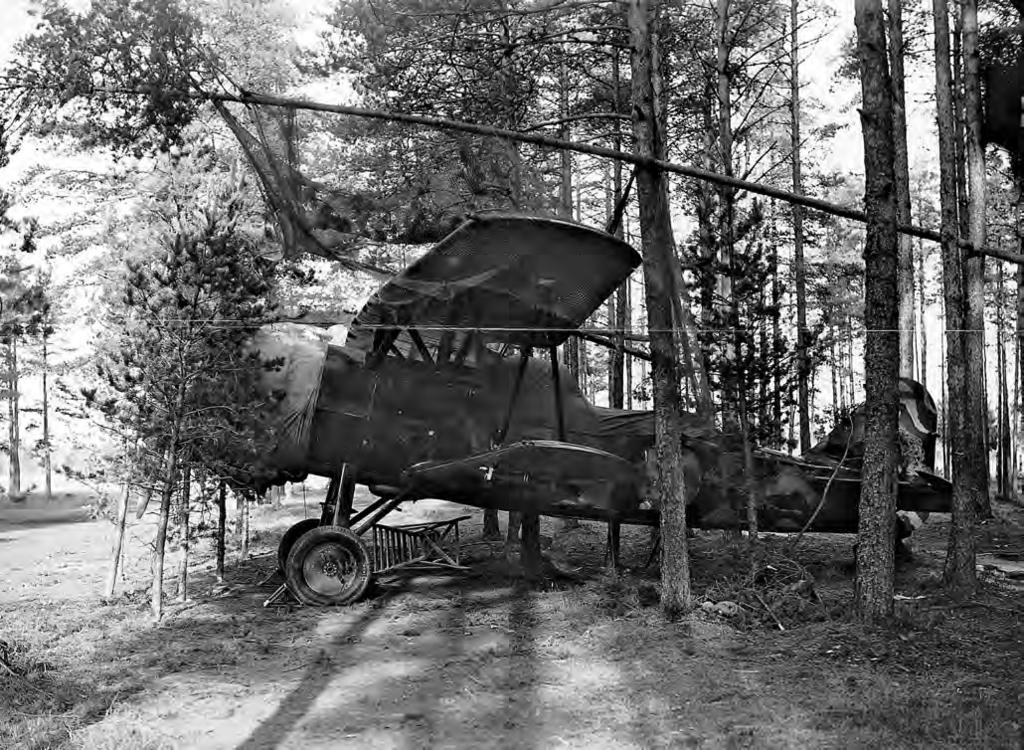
point(507, 278)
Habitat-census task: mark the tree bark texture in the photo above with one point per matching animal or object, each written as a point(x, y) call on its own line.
point(529, 549)
point(1003, 454)
point(1019, 337)
point(974, 267)
point(923, 330)
point(727, 218)
point(876, 531)
point(47, 452)
point(13, 427)
point(115, 562)
point(166, 495)
point(492, 530)
point(244, 551)
point(657, 244)
point(222, 512)
point(184, 510)
point(959, 570)
point(803, 368)
point(616, 395)
point(899, 124)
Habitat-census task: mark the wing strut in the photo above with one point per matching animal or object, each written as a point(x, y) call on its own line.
point(555, 381)
point(524, 357)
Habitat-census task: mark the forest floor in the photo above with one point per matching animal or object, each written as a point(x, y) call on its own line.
point(480, 659)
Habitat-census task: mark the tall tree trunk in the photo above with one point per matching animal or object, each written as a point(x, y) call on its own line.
point(1004, 454)
point(244, 506)
point(618, 359)
point(47, 450)
point(727, 221)
point(239, 516)
point(899, 123)
point(876, 530)
point(923, 348)
point(166, 494)
point(492, 529)
point(565, 202)
point(1019, 338)
point(657, 243)
point(530, 546)
point(799, 269)
point(960, 558)
point(629, 329)
point(947, 441)
point(184, 509)
point(115, 562)
point(13, 426)
point(773, 261)
point(1001, 475)
point(222, 513)
point(835, 378)
point(974, 267)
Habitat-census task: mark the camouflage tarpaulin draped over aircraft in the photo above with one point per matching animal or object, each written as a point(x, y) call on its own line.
point(422, 400)
point(420, 397)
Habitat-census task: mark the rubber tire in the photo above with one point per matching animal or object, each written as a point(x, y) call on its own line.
point(290, 537)
point(344, 544)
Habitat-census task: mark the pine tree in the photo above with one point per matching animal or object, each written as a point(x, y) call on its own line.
point(876, 530)
point(179, 378)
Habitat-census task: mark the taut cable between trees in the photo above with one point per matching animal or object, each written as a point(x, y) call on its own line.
point(441, 123)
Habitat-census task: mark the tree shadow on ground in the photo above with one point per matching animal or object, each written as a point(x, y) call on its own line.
point(428, 678)
point(273, 730)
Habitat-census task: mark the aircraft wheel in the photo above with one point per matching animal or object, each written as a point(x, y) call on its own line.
point(290, 537)
point(328, 565)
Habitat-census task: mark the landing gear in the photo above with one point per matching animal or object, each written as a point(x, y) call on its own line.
point(290, 537)
point(328, 565)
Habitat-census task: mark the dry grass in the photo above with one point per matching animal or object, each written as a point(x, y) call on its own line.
point(582, 664)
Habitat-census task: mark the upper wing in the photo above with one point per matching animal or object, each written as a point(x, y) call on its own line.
point(515, 279)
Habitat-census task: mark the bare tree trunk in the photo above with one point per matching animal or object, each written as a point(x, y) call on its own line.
point(906, 259)
point(222, 512)
point(184, 510)
point(923, 348)
point(529, 555)
point(47, 450)
point(1019, 337)
point(1006, 439)
point(876, 530)
point(947, 444)
point(1014, 423)
point(657, 242)
point(115, 562)
point(565, 202)
point(13, 427)
point(515, 522)
point(618, 358)
point(960, 556)
point(245, 510)
point(170, 482)
point(1000, 385)
point(492, 530)
point(835, 378)
point(799, 269)
point(776, 327)
point(974, 267)
point(629, 360)
point(727, 200)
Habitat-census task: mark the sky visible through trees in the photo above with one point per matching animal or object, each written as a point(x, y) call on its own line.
point(341, 202)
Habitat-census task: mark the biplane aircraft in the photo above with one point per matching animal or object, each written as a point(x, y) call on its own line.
point(448, 386)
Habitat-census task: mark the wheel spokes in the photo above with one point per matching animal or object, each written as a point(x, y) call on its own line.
point(329, 569)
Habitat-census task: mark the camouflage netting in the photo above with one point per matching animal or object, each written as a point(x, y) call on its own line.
point(293, 386)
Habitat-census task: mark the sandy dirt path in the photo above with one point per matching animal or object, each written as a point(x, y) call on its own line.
point(463, 661)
